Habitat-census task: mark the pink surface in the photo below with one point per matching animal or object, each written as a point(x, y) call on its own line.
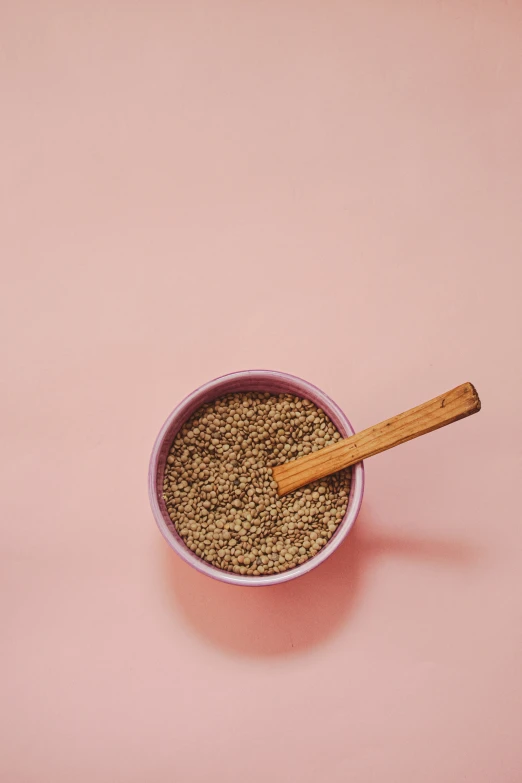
point(333, 189)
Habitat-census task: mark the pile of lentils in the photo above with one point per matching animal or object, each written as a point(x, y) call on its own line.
point(219, 490)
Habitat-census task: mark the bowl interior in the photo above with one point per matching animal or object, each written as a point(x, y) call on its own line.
point(250, 380)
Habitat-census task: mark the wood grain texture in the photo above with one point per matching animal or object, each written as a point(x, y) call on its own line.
point(445, 409)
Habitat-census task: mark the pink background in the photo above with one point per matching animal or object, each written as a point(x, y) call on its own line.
point(333, 189)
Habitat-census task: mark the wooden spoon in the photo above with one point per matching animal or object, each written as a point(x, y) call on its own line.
point(445, 409)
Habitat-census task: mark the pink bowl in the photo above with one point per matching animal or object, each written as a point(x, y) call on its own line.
point(249, 380)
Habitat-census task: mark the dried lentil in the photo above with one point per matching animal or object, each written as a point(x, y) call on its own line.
point(219, 491)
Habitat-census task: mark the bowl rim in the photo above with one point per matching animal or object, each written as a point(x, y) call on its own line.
point(183, 411)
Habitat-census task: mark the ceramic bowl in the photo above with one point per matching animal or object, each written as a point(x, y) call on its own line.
point(260, 381)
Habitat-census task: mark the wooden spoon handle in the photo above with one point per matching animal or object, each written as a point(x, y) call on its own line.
point(445, 409)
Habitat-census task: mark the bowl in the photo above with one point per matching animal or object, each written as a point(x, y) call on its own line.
point(260, 381)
